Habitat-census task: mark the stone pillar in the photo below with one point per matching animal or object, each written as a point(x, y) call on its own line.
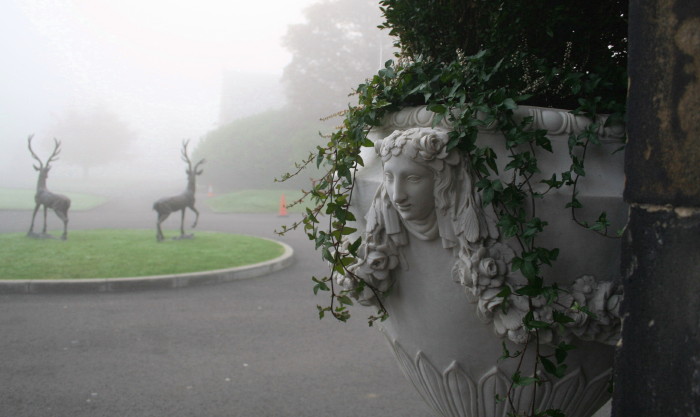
point(658, 360)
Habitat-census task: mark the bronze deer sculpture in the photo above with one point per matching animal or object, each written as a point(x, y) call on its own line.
point(43, 197)
point(167, 205)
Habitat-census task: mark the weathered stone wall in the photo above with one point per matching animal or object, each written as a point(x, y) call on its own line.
point(658, 361)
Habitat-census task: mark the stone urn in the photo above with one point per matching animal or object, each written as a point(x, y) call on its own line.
point(435, 258)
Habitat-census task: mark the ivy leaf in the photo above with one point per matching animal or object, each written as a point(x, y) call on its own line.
point(320, 285)
point(577, 167)
point(562, 351)
point(510, 104)
point(326, 254)
point(438, 118)
point(530, 322)
point(521, 381)
point(601, 224)
point(561, 318)
point(506, 353)
point(347, 230)
point(548, 365)
point(354, 246)
point(585, 310)
point(505, 292)
point(543, 142)
point(344, 299)
point(437, 108)
point(322, 311)
point(529, 269)
point(573, 142)
point(574, 203)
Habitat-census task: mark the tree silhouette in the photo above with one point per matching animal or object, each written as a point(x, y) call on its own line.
point(97, 136)
point(337, 48)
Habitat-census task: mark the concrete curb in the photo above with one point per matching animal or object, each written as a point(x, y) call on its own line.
point(152, 282)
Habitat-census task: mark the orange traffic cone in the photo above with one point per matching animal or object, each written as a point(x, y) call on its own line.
point(210, 192)
point(283, 207)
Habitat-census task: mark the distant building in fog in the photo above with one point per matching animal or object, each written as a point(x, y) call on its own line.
point(245, 94)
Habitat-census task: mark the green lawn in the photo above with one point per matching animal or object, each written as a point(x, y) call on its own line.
point(110, 253)
point(255, 201)
point(23, 199)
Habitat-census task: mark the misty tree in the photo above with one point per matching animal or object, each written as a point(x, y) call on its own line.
point(338, 47)
point(252, 151)
point(97, 135)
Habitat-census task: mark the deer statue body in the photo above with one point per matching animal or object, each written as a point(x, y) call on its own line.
point(167, 205)
point(43, 197)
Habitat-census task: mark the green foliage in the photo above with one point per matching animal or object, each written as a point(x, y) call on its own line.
point(93, 137)
point(336, 47)
point(102, 254)
point(545, 44)
point(249, 152)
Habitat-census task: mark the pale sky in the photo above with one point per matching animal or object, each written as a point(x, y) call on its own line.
point(157, 63)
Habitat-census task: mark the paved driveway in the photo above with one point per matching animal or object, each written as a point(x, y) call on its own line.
point(245, 348)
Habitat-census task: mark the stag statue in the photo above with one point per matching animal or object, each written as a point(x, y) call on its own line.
point(167, 205)
point(43, 197)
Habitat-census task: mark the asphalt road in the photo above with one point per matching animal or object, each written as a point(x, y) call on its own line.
point(247, 348)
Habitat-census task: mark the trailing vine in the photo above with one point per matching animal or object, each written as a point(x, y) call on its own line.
point(472, 80)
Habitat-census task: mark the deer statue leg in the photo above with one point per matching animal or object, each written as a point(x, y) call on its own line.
point(31, 227)
point(182, 222)
point(196, 216)
point(64, 217)
point(161, 219)
point(46, 209)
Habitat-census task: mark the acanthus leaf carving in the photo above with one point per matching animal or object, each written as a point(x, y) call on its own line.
point(455, 392)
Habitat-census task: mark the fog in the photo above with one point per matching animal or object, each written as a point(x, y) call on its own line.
point(156, 65)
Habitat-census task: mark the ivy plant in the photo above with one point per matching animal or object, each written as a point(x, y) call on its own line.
point(474, 69)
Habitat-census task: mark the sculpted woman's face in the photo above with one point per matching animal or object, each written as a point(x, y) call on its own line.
point(410, 187)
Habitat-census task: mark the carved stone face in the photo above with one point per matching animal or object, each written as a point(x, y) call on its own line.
point(410, 187)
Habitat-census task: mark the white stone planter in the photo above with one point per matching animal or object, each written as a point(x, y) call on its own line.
point(445, 338)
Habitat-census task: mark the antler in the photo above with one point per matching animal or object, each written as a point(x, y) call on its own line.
point(187, 158)
point(54, 154)
point(198, 164)
point(29, 144)
point(56, 151)
point(184, 153)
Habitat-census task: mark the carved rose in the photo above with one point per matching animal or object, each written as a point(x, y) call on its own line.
point(379, 264)
point(362, 293)
point(483, 269)
point(602, 299)
point(431, 147)
point(488, 267)
point(345, 282)
point(376, 267)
